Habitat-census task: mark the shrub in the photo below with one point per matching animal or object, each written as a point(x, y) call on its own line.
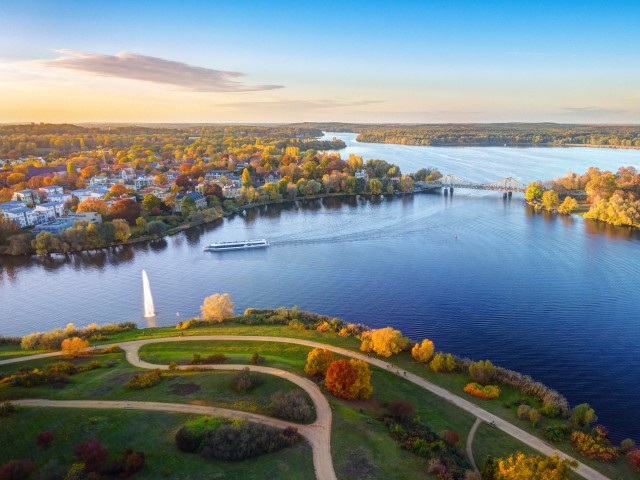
point(633, 458)
point(245, 381)
point(384, 341)
point(92, 453)
point(350, 379)
point(318, 361)
point(16, 470)
point(196, 359)
point(450, 437)
point(487, 392)
point(594, 446)
point(422, 352)
point(215, 358)
point(257, 359)
point(443, 362)
point(523, 412)
point(582, 416)
point(74, 347)
point(401, 410)
point(44, 439)
point(627, 445)
point(109, 349)
point(534, 417)
point(28, 379)
point(144, 380)
point(216, 307)
point(555, 432)
point(133, 462)
point(533, 467)
point(291, 406)
point(187, 440)
point(241, 440)
point(66, 368)
point(173, 366)
point(7, 409)
point(483, 372)
point(550, 410)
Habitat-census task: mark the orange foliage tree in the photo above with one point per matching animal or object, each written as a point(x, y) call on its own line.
point(318, 361)
point(93, 205)
point(216, 307)
point(423, 351)
point(350, 379)
point(384, 341)
point(74, 347)
point(533, 467)
point(127, 209)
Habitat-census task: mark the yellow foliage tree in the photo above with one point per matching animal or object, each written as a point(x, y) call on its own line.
point(216, 307)
point(318, 361)
point(74, 347)
point(384, 341)
point(533, 467)
point(422, 352)
point(568, 205)
point(361, 388)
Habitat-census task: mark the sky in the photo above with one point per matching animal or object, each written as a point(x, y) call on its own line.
point(238, 61)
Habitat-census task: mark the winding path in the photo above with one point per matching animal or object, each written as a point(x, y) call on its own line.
point(472, 433)
point(532, 441)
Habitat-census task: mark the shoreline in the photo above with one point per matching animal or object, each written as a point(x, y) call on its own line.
point(502, 145)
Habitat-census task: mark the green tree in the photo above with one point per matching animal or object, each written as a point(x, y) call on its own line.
point(187, 205)
point(582, 416)
point(375, 186)
point(150, 202)
point(156, 227)
point(534, 192)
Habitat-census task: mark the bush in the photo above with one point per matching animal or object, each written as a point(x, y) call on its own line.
point(582, 416)
point(7, 409)
point(422, 352)
point(627, 445)
point(594, 446)
point(144, 380)
point(487, 392)
point(188, 441)
point(318, 361)
point(109, 349)
point(384, 341)
point(215, 358)
point(16, 470)
point(196, 359)
point(483, 372)
point(44, 439)
point(240, 440)
point(401, 411)
point(92, 453)
point(66, 368)
point(291, 406)
point(443, 362)
point(173, 366)
point(245, 381)
point(633, 458)
point(350, 379)
point(450, 437)
point(555, 432)
point(257, 359)
point(523, 412)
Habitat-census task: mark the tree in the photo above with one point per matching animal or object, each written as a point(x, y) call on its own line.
point(568, 205)
point(443, 362)
point(534, 192)
point(482, 372)
point(217, 307)
point(183, 182)
point(74, 347)
point(318, 361)
point(246, 177)
point(187, 205)
point(350, 379)
point(533, 467)
point(93, 205)
point(118, 189)
point(127, 209)
point(156, 227)
point(384, 341)
point(489, 469)
point(633, 458)
point(45, 242)
point(375, 186)
point(550, 200)
point(150, 201)
point(401, 410)
point(160, 179)
point(422, 352)
point(582, 416)
point(121, 232)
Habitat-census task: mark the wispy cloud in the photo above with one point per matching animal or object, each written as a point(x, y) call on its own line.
point(589, 111)
point(134, 66)
point(301, 104)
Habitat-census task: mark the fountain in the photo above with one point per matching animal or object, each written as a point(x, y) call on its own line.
point(148, 299)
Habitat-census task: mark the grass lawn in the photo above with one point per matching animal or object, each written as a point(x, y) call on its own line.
point(149, 432)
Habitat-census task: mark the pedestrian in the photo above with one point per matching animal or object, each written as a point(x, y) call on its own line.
point(405, 374)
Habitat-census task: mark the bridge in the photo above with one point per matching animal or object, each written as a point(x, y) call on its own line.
point(449, 182)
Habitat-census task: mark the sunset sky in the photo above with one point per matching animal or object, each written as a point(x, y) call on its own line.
point(237, 61)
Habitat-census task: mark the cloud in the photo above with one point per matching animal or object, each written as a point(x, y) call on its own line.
point(134, 66)
point(589, 111)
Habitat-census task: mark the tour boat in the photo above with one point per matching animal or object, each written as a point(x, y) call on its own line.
point(241, 245)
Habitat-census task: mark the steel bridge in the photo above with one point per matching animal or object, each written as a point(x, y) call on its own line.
point(449, 182)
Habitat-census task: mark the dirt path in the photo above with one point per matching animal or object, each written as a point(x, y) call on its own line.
point(534, 442)
point(472, 433)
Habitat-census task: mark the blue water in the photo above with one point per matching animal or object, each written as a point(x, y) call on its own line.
point(553, 297)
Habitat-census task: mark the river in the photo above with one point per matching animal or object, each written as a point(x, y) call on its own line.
point(554, 297)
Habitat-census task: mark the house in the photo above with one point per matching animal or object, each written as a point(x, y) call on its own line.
point(94, 192)
point(103, 181)
point(127, 174)
point(23, 216)
point(56, 226)
point(143, 181)
point(201, 201)
point(362, 174)
point(113, 200)
point(91, 217)
point(272, 177)
point(59, 197)
point(51, 209)
point(231, 191)
point(52, 189)
point(30, 197)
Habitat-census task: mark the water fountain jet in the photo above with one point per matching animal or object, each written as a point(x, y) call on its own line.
point(149, 311)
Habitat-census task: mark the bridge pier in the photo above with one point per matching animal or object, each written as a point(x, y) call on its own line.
point(510, 193)
point(445, 191)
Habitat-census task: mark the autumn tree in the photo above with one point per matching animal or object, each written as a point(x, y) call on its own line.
point(318, 361)
point(246, 178)
point(443, 362)
point(384, 341)
point(422, 352)
point(534, 192)
point(74, 347)
point(533, 467)
point(550, 200)
point(160, 179)
point(118, 189)
point(482, 372)
point(92, 453)
point(633, 458)
point(121, 232)
point(568, 206)
point(127, 209)
point(582, 416)
point(216, 307)
point(93, 205)
point(150, 201)
point(350, 379)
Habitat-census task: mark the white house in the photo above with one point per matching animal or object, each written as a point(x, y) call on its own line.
point(53, 189)
point(59, 197)
point(231, 191)
point(30, 197)
point(51, 209)
point(142, 182)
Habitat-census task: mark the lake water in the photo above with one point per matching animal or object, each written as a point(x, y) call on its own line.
point(553, 297)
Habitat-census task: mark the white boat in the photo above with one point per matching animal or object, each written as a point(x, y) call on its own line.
point(240, 245)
